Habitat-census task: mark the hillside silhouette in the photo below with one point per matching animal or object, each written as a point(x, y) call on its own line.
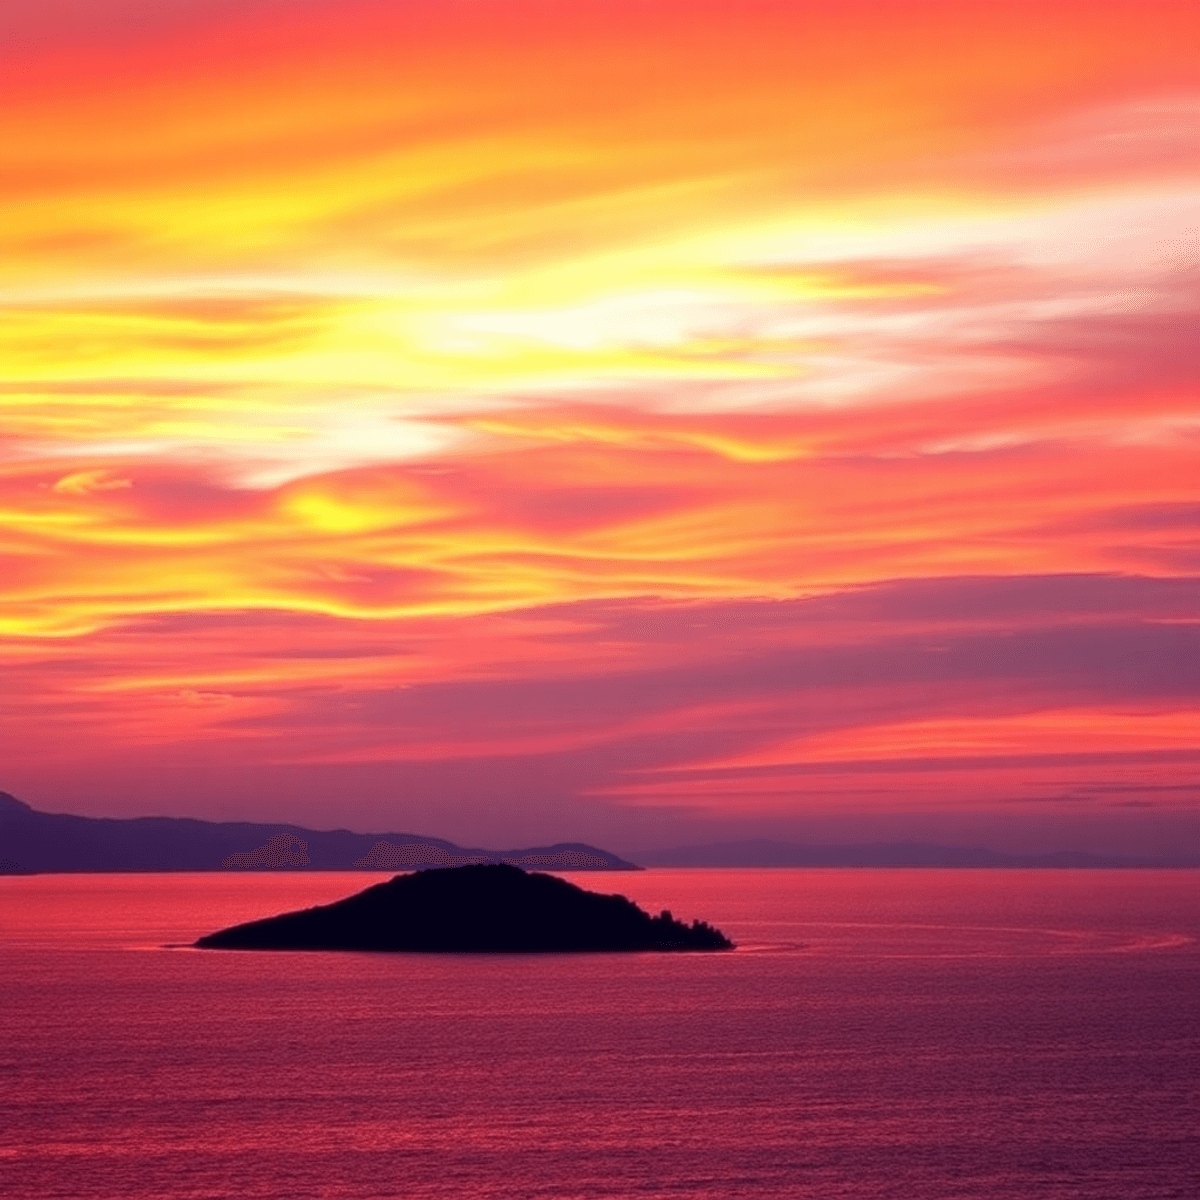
point(40, 841)
point(481, 908)
point(764, 853)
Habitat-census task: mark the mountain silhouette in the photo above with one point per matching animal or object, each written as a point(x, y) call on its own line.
point(41, 841)
point(764, 853)
point(490, 907)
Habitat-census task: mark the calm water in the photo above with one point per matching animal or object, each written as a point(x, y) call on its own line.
point(878, 1034)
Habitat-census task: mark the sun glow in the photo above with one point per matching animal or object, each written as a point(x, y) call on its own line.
point(528, 350)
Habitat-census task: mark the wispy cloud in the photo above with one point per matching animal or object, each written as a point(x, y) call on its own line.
point(747, 411)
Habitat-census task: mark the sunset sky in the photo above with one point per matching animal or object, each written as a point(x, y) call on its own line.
point(640, 422)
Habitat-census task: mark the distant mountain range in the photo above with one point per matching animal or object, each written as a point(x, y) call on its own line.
point(883, 854)
point(32, 841)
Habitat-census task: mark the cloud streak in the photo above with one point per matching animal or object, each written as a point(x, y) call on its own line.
point(602, 414)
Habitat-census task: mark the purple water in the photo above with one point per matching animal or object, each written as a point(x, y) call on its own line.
point(877, 1034)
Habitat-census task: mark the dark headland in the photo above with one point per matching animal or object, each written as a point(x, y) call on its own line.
point(32, 841)
point(485, 908)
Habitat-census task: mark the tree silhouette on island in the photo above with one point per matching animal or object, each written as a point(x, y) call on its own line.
point(472, 909)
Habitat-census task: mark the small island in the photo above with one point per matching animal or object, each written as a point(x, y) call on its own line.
point(493, 908)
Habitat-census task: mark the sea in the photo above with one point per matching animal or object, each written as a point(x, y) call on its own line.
point(998, 1034)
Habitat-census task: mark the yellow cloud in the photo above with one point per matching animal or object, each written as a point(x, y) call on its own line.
point(81, 483)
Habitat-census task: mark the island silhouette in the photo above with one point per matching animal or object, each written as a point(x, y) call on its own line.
point(482, 908)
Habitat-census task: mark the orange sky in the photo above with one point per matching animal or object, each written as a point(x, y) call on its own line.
point(643, 423)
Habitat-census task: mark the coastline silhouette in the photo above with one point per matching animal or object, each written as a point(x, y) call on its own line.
point(388, 857)
point(493, 907)
point(42, 841)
